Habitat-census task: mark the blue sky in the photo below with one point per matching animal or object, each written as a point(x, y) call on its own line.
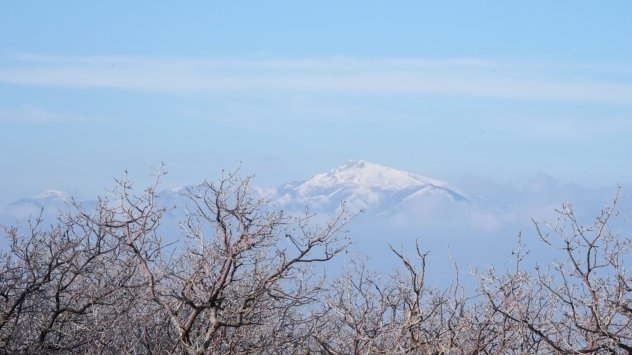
point(499, 89)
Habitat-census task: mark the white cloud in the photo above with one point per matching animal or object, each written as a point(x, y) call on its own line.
point(334, 75)
point(553, 127)
point(37, 114)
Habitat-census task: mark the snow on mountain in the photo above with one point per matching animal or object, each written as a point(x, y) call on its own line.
point(51, 195)
point(364, 185)
point(401, 207)
point(49, 201)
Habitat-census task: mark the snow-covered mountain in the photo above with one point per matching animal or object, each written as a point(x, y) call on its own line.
point(44, 198)
point(362, 185)
point(477, 227)
point(49, 201)
point(402, 200)
point(365, 186)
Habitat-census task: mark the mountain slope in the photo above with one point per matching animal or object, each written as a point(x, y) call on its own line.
point(50, 202)
point(361, 184)
point(365, 186)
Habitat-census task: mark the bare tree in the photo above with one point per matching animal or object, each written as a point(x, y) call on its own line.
point(59, 286)
point(579, 304)
point(397, 313)
point(242, 278)
point(104, 280)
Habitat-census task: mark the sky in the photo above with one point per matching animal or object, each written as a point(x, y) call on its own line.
point(286, 89)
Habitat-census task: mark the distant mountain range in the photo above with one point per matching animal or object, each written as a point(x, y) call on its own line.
point(50, 201)
point(477, 224)
point(375, 190)
point(363, 186)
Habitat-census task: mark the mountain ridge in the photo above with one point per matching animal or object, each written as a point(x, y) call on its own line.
point(362, 184)
point(365, 185)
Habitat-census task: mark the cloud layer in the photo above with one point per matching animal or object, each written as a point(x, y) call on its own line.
point(337, 75)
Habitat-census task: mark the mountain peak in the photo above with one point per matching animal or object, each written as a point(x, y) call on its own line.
point(362, 173)
point(51, 195)
point(359, 164)
point(364, 185)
